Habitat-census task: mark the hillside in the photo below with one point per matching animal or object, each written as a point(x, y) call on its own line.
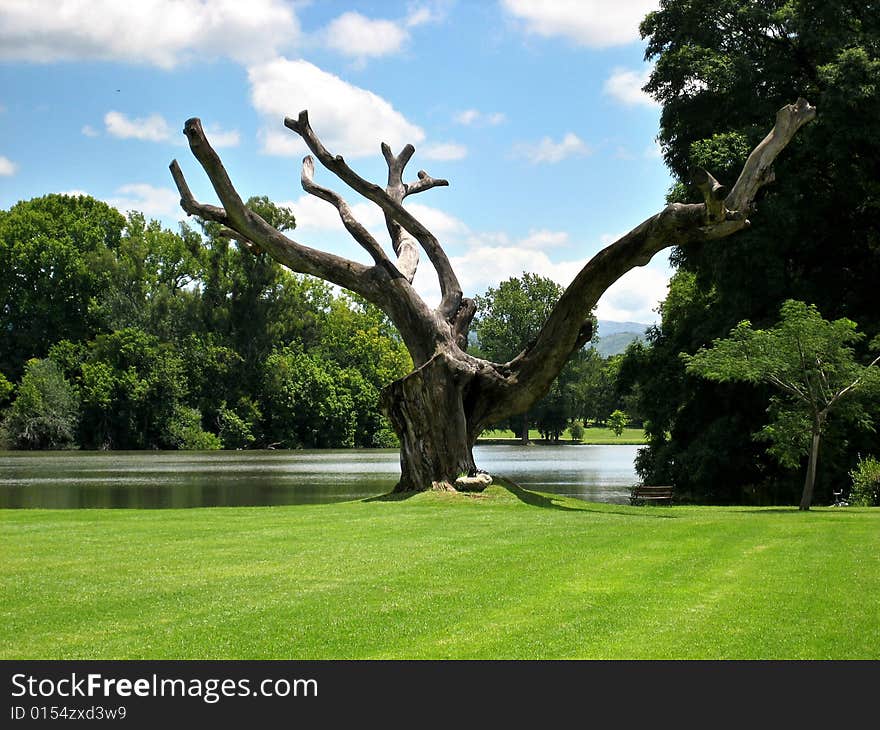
point(614, 337)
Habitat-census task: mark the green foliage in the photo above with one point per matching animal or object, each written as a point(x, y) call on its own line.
point(54, 254)
point(865, 490)
point(811, 364)
point(617, 422)
point(235, 431)
point(512, 314)
point(45, 411)
point(576, 429)
point(722, 70)
point(167, 337)
point(6, 389)
point(185, 431)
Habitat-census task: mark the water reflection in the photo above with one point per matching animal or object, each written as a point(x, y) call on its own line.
point(150, 480)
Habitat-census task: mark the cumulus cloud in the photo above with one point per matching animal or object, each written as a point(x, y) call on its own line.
point(89, 131)
point(7, 167)
point(474, 118)
point(625, 87)
point(547, 150)
point(443, 151)
point(350, 120)
point(153, 128)
point(150, 200)
point(545, 239)
point(159, 33)
point(356, 36)
point(592, 23)
point(494, 256)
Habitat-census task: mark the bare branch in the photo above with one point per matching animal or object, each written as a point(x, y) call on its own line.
point(189, 204)
point(758, 170)
point(450, 289)
point(352, 225)
point(713, 193)
point(248, 226)
point(531, 373)
point(425, 182)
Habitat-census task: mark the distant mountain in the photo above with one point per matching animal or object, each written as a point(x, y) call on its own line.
point(614, 337)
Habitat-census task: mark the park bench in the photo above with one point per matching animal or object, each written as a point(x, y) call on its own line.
point(640, 494)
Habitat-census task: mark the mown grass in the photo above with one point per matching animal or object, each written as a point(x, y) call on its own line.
point(593, 435)
point(507, 574)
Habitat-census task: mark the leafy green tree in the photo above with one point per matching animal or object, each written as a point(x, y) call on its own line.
point(510, 316)
point(810, 362)
point(45, 411)
point(617, 422)
point(54, 263)
point(721, 66)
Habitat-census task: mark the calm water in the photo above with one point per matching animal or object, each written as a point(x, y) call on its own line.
point(82, 479)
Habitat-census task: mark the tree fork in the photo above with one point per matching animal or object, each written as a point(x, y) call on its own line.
point(440, 408)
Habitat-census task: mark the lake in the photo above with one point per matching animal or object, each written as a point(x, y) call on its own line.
point(178, 479)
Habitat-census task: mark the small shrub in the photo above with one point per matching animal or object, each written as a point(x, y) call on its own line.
point(865, 477)
point(576, 429)
point(186, 433)
point(385, 438)
point(617, 422)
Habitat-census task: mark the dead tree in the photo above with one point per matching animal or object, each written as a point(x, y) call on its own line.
point(450, 397)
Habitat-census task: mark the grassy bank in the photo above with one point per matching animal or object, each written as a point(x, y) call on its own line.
point(592, 435)
point(509, 574)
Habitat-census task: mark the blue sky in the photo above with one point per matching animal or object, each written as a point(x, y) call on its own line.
point(530, 108)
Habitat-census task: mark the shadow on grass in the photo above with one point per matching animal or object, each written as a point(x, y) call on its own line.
point(539, 500)
point(391, 497)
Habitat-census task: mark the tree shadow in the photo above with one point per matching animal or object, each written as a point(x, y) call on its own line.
point(391, 497)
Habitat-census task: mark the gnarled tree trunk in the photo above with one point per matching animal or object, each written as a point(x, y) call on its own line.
point(440, 408)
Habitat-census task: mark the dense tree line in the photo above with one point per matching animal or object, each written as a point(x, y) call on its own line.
point(721, 68)
point(118, 333)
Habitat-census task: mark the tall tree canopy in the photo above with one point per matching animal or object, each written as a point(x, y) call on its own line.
point(721, 66)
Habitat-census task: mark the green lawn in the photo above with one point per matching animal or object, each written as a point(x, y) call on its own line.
point(507, 574)
point(592, 435)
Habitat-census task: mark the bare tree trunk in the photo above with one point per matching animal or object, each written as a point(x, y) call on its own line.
point(810, 480)
point(439, 409)
point(427, 411)
point(524, 436)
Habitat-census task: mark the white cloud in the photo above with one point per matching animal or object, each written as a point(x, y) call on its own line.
point(635, 296)
point(356, 36)
point(89, 131)
point(549, 151)
point(159, 33)
point(593, 23)
point(349, 120)
point(153, 128)
point(443, 151)
point(493, 257)
point(73, 193)
point(219, 137)
point(439, 223)
point(474, 117)
point(543, 238)
point(150, 200)
point(625, 86)
point(7, 167)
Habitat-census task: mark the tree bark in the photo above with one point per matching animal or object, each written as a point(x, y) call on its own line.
point(810, 480)
point(428, 412)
